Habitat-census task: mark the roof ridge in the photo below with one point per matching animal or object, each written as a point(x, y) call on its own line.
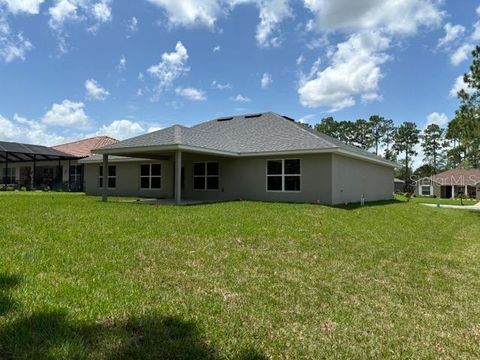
point(89, 138)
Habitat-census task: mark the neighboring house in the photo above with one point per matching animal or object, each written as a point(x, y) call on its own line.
point(265, 157)
point(451, 184)
point(34, 166)
point(399, 185)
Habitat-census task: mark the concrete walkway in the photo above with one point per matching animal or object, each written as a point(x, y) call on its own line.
point(465, 207)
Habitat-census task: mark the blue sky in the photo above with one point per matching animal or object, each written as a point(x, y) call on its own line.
point(75, 68)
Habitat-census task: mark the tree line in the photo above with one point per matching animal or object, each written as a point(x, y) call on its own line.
point(456, 145)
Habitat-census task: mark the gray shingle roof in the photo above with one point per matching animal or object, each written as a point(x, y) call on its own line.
point(244, 135)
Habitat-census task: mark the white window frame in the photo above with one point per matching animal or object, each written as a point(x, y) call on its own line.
point(100, 177)
point(283, 175)
point(76, 175)
point(206, 176)
point(149, 177)
point(430, 190)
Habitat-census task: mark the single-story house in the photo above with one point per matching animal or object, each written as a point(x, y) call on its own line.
point(262, 156)
point(451, 184)
point(39, 167)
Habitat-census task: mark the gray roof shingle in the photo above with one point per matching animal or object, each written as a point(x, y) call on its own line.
point(244, 135)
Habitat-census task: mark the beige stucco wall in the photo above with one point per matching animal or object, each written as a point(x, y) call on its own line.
point(353, 177)
point(325, 178)
point(128, 179)
point(245, 178)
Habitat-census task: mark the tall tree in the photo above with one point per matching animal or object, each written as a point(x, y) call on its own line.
point(328, 126)
point(405, 139)
point(347, 132)
point(390, 129)
point(380, 128)
point(433, 145)
point(465, 127)
point(363, 134)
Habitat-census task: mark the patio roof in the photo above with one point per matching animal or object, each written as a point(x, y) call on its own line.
point(17, 152)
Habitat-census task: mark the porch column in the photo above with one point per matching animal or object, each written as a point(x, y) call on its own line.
point(6, 170)
point(466, 191)
point(453, 191)
point(34, 184)
point(178, 177)
point(105, 178)
point(69, 175)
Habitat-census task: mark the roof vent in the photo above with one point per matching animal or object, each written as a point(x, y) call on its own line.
point(225, 118)
point(252, 116)
point(288, 118)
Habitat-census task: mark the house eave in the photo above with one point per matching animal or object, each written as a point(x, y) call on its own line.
point(130, 152)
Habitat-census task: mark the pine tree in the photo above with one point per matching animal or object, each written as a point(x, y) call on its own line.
point(433, 146)
point(405, 139)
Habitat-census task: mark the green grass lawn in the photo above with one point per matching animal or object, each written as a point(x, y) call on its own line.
point(83, 279)
point(431, 200)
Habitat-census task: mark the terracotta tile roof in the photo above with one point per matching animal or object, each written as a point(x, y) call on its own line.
point(458, 177)
point(82, 148)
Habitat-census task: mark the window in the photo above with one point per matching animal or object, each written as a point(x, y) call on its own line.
point(206, 176)
point(9, 176)
point(111, 177)
point(75, 174)
point(150, 176)
point(426, 190)
point(283, 175)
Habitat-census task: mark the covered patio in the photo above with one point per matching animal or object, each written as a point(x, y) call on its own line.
point(36, 165)
point(181, 158)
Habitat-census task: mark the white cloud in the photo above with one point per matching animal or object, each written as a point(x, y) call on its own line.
point(93, 12)
point(121, 129)
point(62, 11)
point(452, 33)
point(216, 48)
point(437, 118)
point(172, 66)
point(240, 98)
point(272, 13)
point(95, 91)
point(206, 12)
point(395, 17)
point(102, 11)
point(300, 60)
point(67, 114)
point(219, 86)
point(266, 80)
point(460, 85)
point(461, 54)
point(14, 47)
point(306, 119)
point(370, 97)
point(27, 131)
point(122, 64)
point(476, 31)
point(132, 26)
point(191, 94)
point(190, 12)
point(31, 7)
point(478, 10)
point(354, 71)
point(154, 128)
